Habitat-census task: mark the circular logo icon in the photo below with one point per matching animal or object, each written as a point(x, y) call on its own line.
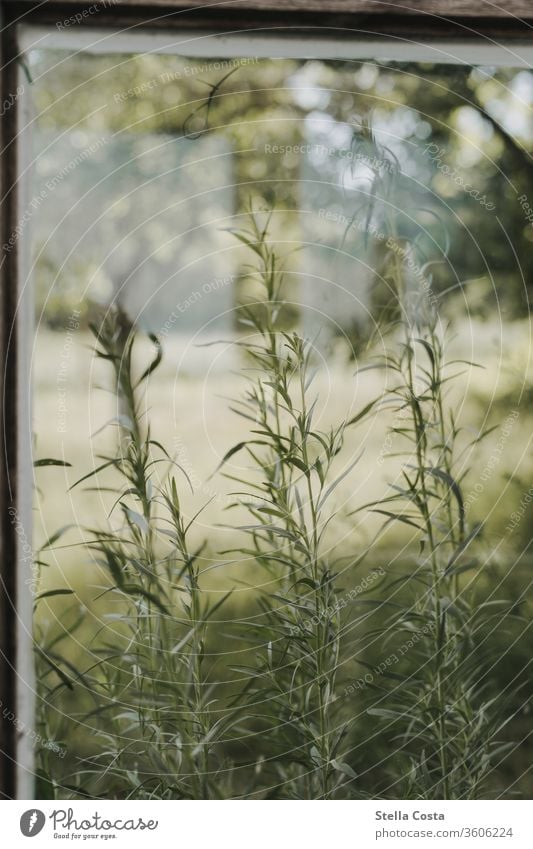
point(32, 822)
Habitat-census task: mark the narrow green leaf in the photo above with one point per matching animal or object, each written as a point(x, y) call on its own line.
point(50, 462)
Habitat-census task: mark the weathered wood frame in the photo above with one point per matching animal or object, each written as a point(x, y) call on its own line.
point(479, 21)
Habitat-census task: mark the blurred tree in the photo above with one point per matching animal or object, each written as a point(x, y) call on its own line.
point(445, 123)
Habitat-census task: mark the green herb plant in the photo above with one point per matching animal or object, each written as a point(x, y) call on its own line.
point(294, 684)
point(154, 719)
point(448, 721)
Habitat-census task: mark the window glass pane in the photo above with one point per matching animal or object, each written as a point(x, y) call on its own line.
point(143, 167)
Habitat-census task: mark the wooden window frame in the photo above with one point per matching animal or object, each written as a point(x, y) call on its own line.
point(472, 21)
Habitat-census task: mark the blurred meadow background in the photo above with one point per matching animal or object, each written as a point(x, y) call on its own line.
point(143, 164)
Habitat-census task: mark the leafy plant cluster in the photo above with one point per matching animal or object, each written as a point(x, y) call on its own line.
point(162, 723)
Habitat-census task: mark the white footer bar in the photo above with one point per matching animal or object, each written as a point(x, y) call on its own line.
point(269, 825)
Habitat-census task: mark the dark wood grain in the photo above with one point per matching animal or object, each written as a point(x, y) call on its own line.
point(446, 8)
point(8, 421)
point(431, 19)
